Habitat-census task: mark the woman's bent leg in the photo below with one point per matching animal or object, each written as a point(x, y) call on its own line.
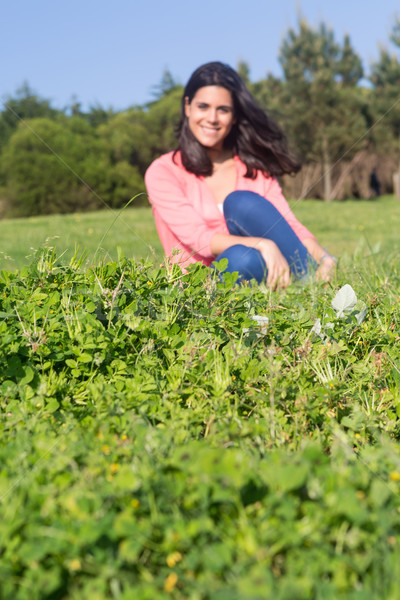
point(249, 214)
point(248, 262)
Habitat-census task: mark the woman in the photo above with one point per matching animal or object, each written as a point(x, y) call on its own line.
point(216, 195)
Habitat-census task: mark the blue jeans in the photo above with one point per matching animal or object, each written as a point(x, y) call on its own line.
point(249, 214)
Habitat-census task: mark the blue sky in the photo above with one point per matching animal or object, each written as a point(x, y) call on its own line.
point(113, 53)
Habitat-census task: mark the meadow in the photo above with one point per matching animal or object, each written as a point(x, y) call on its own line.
point(341, 226)
point(180, 436)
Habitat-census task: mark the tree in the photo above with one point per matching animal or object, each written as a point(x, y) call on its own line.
point(139, 135)
point(167, 84)
point(395, 35)
point(243, 70)
point(61, 166)
point(385, 101)
point(26, 104)
point(320, 100)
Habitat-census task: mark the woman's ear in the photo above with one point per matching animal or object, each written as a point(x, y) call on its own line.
point(187, 106)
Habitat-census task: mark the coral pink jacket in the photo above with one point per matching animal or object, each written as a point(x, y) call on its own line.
point(187, 215)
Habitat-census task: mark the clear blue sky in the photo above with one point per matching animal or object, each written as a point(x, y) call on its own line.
point(114, 52)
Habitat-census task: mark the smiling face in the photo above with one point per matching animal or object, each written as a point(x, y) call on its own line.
point(210, 115)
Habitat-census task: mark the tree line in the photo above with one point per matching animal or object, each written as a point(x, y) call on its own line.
point(341, 125)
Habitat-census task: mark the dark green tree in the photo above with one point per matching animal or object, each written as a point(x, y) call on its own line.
point(167, 84)
point(243, 68)
point(139, 135)
point(322, 107)
point(61, 166)
point(385, 100)
point(395, 35)
point(25, 104)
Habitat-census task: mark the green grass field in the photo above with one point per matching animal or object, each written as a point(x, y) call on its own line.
point(176, 436)
point(340, 226)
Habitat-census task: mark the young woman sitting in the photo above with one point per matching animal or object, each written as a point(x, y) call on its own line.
point(216, 196)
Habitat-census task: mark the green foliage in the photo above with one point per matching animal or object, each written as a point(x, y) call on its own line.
point(385, 77)
point(158, 441)
point(26, 104)
point(395, 37)
point(58, 166)
point(166, 85)
point(320, 77)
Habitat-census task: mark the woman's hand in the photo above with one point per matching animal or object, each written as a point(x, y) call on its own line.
point(277, 265)
point(326, 268)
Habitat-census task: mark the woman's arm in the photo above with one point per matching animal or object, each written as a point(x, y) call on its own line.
point(174, 210)
point(326, 262)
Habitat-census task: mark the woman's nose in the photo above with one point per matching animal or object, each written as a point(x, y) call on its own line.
point(213, 115)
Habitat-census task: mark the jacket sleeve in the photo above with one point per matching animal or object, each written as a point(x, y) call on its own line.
point(175, 212)
point(274, 194)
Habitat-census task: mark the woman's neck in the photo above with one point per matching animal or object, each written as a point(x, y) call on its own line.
point(218, 157)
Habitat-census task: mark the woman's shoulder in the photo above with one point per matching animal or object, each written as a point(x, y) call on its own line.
point(170, 162)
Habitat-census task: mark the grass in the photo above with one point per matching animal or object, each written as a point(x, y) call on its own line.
point(156, 441)
point(340, 226)
point(99, 234)
point(345, 226)
point(161, 441)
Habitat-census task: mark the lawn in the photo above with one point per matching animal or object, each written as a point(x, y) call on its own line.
point(177, 436)
point(370, 225)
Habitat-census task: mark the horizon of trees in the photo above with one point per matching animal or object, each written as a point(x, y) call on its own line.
point(59, 161)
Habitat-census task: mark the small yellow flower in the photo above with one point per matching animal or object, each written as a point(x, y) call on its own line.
point(170, 582)
point(174, 558)
point(113, 467)
point(135, 503)
point(106, 449)
point(149, 283)
point(74, 564)
point(394, 476)
point(124, 437)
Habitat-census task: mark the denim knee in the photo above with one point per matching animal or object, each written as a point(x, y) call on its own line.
point(243, 202)
point(247, 261)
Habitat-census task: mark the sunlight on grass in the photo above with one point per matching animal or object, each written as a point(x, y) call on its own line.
point(133, 232)
point(368, 226)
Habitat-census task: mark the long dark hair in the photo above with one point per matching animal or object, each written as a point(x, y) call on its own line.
point(255, 137)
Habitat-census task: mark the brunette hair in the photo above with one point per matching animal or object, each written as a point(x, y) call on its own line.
point(255, 137)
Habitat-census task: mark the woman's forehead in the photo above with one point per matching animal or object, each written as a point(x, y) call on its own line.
point(214, 94)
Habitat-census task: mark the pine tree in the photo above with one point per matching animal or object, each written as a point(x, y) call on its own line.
point(385, 78)
point(322, 105)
